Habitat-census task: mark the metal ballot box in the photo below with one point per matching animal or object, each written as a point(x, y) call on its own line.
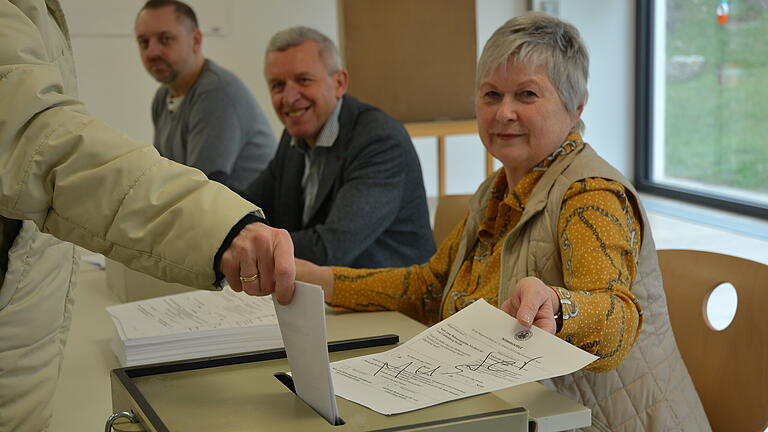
point(240, 393)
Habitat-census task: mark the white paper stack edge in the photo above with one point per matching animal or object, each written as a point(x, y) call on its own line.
point(193, 325)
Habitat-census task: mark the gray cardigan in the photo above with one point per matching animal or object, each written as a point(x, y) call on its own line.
point(370, 210)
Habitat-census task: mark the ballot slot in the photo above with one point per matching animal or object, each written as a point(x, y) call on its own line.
point(287, 380)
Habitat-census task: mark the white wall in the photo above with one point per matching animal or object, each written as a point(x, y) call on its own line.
point(116, 88)
point(608, 29)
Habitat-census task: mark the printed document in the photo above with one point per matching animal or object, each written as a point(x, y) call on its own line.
point(477, 350)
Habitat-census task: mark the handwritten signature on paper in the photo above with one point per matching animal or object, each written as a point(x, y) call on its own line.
point(489, 363)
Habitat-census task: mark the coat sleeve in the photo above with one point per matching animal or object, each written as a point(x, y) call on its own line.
point(86, 183)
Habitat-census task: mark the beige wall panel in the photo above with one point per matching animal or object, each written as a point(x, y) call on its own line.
point(415, 59)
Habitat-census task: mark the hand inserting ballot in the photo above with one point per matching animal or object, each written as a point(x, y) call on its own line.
point(260, 262)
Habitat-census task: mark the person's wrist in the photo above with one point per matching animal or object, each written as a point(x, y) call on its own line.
point(252, 217)
point(556, 310)
point(328, 278)
point(558, 322)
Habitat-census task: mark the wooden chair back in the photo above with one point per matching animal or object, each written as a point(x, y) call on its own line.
point(729, 367)
point(450, 210)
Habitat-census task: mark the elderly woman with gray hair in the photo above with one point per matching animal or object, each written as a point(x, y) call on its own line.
point(557, 238)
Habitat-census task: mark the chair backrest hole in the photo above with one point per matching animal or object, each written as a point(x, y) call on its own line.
point(720, 306)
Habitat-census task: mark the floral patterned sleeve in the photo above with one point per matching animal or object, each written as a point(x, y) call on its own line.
point(599, 238)
point(415, 291)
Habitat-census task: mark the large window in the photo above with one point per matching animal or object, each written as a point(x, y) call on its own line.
point(702, 91)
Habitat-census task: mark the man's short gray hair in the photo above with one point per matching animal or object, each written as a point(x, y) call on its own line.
point(295, 36)
point(537, 40)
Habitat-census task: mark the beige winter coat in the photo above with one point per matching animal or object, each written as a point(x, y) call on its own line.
point(651, 390)
point(65, 173)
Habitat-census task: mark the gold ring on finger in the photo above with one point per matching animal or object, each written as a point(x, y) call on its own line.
point(250, 278)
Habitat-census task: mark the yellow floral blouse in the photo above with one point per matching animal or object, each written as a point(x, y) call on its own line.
point(599, 240)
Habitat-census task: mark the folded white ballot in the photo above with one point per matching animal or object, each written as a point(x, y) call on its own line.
point(302, 324)
point(477, 350)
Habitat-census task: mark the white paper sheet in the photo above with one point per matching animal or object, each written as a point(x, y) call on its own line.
point(192, 312)
point(478, 350)
point(302, 325)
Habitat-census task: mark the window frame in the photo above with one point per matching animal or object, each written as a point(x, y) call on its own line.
point(644, 127)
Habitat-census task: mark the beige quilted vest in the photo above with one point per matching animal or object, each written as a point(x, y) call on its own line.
point(651, 390)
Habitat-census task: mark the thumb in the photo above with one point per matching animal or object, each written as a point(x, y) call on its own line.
point(525, 314)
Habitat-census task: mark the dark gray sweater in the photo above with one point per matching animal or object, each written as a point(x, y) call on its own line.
point(218, 128)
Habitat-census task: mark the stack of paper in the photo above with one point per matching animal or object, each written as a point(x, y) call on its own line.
point(193, 325)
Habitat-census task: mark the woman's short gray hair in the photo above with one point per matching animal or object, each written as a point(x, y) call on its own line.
point(537, 40)
point(295, 36)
